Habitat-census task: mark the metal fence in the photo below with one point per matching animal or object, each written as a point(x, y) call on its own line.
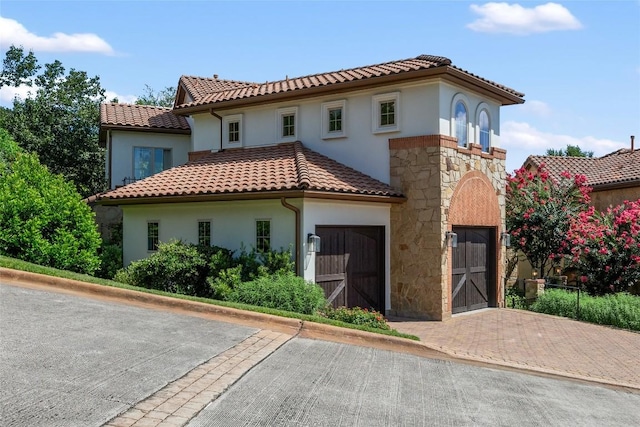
point(519, 301)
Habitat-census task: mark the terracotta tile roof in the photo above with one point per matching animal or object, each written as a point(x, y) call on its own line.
point(283, 167)
point(249, 90)
point(198, 87)
point(141, 116)
point(621, 166)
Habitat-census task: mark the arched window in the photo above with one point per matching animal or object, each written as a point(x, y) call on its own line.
point(483, 122)
point(461, 119)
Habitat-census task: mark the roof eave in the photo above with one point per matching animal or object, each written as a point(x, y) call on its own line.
point(616, 185)
point(254, 195)
point(449, 73)
point(144, 129)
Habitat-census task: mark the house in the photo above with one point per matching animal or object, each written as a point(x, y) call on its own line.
point(387, 180)
point(614, 178)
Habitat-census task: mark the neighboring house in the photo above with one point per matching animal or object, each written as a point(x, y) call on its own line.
point(386, 164)
point(614, 177)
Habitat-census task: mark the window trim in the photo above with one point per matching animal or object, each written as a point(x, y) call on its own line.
point(226, 121)
point(204, 221)
point(326, 108)
point(377, 101)
point(459, 97)
point(149, 237)
point(152, 161)
point(280, 114)
point(258, 237)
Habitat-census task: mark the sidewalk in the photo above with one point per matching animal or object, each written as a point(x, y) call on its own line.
point(535, 342)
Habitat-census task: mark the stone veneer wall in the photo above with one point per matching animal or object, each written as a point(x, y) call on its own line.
point(428, 169)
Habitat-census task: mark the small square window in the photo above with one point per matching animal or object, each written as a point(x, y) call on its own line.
point(204, 233)
point(287, 125)
point(386, 113)
point(263, 235)
point(232, 134)
point(153, 236)
point(333, 120)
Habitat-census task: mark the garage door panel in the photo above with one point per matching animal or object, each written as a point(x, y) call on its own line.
point(471, 272)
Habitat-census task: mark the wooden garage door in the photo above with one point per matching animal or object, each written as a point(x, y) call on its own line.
point(350, 266)
point(473, 285)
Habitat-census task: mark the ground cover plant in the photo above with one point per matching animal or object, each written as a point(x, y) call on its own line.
point(621, 309)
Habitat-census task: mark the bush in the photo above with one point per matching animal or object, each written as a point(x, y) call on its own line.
point(356, 316)
point(514, 298)
point(42, 217)
point(283, 292)
point(110, 261)
point(621, 310)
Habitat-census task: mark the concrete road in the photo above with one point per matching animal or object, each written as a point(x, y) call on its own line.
point(69, 361)
point(72, 361)
point(318, 383)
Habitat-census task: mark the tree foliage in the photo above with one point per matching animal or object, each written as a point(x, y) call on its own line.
point(538, 213)
point(42, 217)
point(161, 98)
point(570, 151)
point(605, 247)
point(60, 121)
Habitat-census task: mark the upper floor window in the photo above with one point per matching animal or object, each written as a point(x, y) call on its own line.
point(204, 233)
point(232, 130)
point(153, 235)
point(333, 119)
point(148, 161)
point(386, 112)
point(263, 235)
point(461, 120)
point(287, 124)
point(484, 128)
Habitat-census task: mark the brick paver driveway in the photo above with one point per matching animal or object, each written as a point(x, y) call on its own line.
point(537, 342)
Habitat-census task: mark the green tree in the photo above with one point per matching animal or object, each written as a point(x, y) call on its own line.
point(570, 151)
point(60, 122)
point(42, 217)
point(539, 211)
point(161, 98)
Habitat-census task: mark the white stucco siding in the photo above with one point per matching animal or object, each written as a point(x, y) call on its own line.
point(205, 132)
point(326, 212)
point(123, 142)
point(361, 149)
point(474, 104)
point(233, 224)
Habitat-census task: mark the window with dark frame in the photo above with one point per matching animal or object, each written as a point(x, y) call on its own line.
point(153, 236)
point(263, 235)
point(387, 113)
point(204, 233)
point(335, 120)
point(234, 131)
point(288, 125)
point(148, 161)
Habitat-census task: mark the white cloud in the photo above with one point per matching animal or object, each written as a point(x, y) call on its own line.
point(521, 140)
point(8, 93)
point(14, 33)
point(123, 99)
point(516, 19)
point(538, 108)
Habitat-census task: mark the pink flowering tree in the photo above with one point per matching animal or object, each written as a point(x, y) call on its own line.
point(605, 247)
point(539, 211)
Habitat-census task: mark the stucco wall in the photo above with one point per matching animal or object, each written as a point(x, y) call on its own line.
point(123, 142)
point(601, 200)
point(232, 224)
point(445, 186)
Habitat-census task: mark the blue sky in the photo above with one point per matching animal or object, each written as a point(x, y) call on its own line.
point(578, 62)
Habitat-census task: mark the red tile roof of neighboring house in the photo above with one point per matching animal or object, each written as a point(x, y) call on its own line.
point(209, 93)
point(622, 166)
point(287, 167)
point(145, 117)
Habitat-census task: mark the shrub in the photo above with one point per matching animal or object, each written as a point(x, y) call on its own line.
point(283, 292)
point(176, 267)
point(110, 261)
point(514, 298)
point(356, 316)
point(621, 310)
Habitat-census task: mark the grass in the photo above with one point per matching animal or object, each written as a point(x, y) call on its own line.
point(16, 264)
point(621, 310)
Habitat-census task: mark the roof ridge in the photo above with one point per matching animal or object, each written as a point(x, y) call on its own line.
point(126, 104)
point(302, 168)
